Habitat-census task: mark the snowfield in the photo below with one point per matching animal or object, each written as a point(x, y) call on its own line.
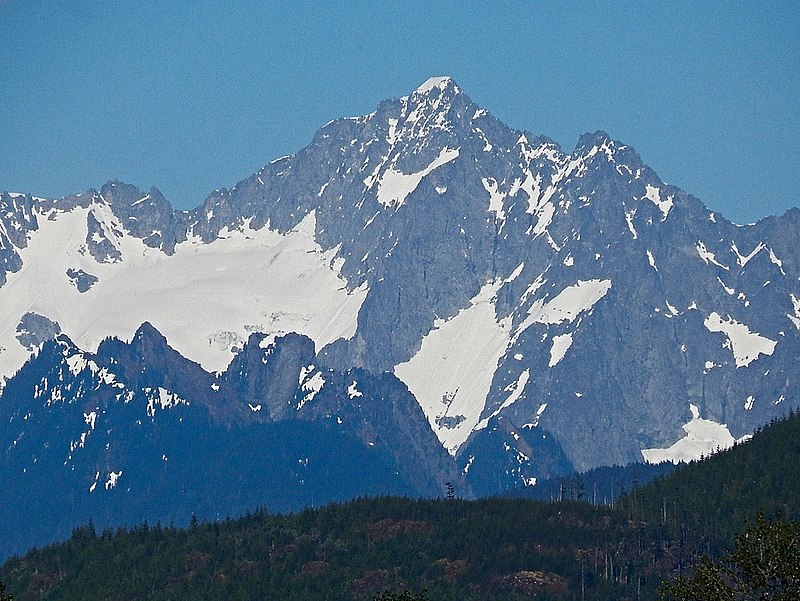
point(205, 298)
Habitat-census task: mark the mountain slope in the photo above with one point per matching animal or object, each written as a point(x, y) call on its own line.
point(715, 496)
point(138, 433)
point(549, 311)
point(487, 549)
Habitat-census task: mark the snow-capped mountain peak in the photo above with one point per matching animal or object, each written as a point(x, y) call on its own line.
point(441, 83)
point(573, 301)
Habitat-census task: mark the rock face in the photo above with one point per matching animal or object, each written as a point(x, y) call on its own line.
point(136, 432)
point(547, 310)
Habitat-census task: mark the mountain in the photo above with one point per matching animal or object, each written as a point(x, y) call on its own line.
point(714, 497)
point(549, 311)
point(500, 549)
point(136, 432)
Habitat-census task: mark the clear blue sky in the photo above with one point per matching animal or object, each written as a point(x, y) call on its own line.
point(189, 96)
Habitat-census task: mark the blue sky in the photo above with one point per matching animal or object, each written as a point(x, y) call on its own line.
point(189, 96)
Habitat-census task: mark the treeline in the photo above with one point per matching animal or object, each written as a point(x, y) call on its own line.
point(712, 499)
point(453, 549)
point(599, 486)
point(491, 549)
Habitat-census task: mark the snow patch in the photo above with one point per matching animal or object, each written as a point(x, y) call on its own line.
point(353, 391)
point(795, 319)
point(567, 305)
point(653, 194)
point(113, 478)
point(395, 186)
point(629, 215)
point(76, 363)
point(561, 344)
point(515, 390)
point(708, 256)
point(452, 372)
point(496, 198)
point(745, 345)
point(90, 419)
point(163, 399)
point(432, 83)
point(744, 259)
point(311, 386)
point(703, 437)
point(279, 282)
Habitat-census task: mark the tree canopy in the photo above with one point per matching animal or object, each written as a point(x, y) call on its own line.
point(764, 565)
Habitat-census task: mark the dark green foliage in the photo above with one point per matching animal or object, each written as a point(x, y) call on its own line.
point(712, 499)
point(765, 564)
point(404, 596)
point(599, 486)
point(3, 595)
point(456, 550)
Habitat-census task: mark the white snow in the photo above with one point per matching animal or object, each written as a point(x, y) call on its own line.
point(795, 319)
point(545, 218)
point(567, 305)
point(703, 437)
point(432, 83)
point(745, 345)
point(515, 390)
point(515, 274)
point(90, 419)
point(76, 363)
point(629, 215)
point(748, 404)
point(537, 417)
point(775, 260)
point(651, 260)
point(452, 372)
point(653, 194)
point(531, 185)
point(395, 186)
point(495, 198)
point(259, 278)
point(113, 477)
point(353, 391)
point(730, 291)
point(311, 386)
point(708, 256)
point(744, 259)
point(161, 398)
point(561, 344)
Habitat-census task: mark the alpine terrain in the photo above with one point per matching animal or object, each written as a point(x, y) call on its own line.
point(422, 295)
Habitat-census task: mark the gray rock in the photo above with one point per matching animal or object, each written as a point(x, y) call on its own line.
point(82, 280)
point(34, 329)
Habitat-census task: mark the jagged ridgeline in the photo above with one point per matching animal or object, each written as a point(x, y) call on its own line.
point(521, 312)
point(454, 549)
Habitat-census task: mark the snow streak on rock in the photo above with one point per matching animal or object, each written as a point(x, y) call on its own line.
point(451, 374)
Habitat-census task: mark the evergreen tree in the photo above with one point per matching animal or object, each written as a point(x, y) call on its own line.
point(404, 596)
point(765, 565)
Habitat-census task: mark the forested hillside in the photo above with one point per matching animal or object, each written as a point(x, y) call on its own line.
point(713, 498)
point(453, 549)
